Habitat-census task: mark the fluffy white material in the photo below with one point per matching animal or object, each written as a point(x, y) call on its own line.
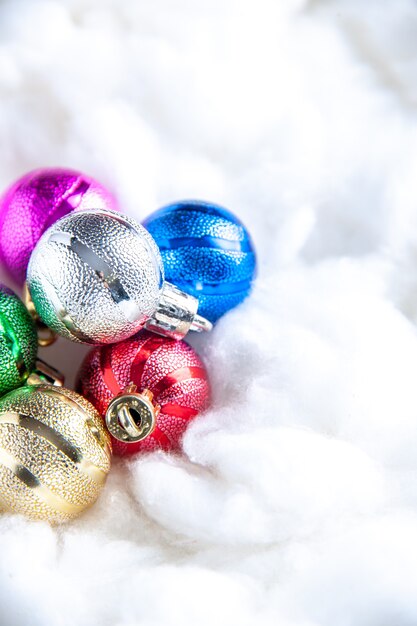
point(295, 502)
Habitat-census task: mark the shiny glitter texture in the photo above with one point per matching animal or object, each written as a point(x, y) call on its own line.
point(95, 277)
point(207, 252)
point(54, 453)
point(35, 202)
point(18, 341)
point(170, 369)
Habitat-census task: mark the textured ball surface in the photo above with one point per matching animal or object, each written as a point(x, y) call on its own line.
point(207, 252)
point(170, 369)
point(95, 277)
point(18, 341)
point(54, 453)
point(35, 202)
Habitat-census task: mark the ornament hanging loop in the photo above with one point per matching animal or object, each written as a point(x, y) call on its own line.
point(131, 416)
point(200, 324)
point(46, 336)
point(177, 314)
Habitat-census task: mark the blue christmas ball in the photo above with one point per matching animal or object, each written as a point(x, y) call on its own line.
point(207, 252)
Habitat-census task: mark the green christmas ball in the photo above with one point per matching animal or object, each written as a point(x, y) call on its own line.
point(18, 341)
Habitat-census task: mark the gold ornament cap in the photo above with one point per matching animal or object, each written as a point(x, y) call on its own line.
point(46, 336)
point(45, 374)
point(131, 416)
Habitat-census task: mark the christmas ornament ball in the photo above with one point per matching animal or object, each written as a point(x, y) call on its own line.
point(18, 341)
point(34, 202)
point(54, 453)
point(207, 252)
point(97, 277)
point(170, 373)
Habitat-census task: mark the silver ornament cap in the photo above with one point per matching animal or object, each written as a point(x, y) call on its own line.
point(97, 277)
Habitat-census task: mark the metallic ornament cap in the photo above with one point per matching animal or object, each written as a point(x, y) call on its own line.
point(46, 336)
point(44, 374)
point(131, 416)
point(176, 314)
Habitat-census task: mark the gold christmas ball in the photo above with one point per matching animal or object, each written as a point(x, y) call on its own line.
point(54, 453)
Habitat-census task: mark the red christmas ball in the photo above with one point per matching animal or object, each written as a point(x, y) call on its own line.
point(170, 375)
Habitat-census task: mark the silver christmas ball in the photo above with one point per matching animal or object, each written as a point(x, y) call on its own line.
point(97, 277)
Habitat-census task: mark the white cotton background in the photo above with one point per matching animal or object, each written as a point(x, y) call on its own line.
point(295, 501)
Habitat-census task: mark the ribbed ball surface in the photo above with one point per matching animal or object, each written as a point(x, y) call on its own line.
point(35, 202)
point(207, 252)
point(54, 453)
point(18, 341)
point(170, 369)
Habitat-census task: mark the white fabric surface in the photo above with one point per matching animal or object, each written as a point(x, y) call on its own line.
point(295, 503)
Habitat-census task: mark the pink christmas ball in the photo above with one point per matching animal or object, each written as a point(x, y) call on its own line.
point(35, 202)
